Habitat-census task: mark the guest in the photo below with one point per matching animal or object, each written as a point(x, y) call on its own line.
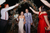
point(4, 17)
point(29, 21)
point(13, 20)
point(46, 3)
point(43, 19)
point(21, 22)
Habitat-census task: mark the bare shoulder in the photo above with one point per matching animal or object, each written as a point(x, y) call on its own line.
point(23, 16)
point(44, 12)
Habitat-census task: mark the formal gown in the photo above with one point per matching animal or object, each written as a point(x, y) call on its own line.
point(42, 24)
point(21, 25)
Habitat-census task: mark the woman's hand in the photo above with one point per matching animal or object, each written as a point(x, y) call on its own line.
point(30, 7)
point(34, 11)
point(24, 22)
point(47, 28)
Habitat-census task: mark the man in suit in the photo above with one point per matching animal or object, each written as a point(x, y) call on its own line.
point(29, 21)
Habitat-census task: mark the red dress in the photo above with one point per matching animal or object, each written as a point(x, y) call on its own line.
point(42, 24)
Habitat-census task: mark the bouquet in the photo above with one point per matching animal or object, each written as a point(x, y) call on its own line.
point(15, 16)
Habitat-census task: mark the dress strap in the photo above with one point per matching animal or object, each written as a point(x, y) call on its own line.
point(45, 14)
point(39, 13)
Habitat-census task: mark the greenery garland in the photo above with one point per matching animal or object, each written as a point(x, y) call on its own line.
point(35, 17)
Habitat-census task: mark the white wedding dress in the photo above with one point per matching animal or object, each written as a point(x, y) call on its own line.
point(21, 25)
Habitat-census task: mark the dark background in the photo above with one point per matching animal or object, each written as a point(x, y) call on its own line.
point(37, 2)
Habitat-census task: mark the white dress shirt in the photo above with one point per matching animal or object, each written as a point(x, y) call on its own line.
point(4, 13)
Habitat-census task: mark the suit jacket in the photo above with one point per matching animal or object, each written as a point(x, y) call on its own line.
point(28, 18)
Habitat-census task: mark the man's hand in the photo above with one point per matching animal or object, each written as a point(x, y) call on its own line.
point(31, 23)
point(17, 4)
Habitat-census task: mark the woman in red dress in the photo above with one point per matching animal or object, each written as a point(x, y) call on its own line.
point(43, 19)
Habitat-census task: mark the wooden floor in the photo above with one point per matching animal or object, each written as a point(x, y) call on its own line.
point(33, 30)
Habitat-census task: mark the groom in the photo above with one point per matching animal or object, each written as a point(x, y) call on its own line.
point(29, 21)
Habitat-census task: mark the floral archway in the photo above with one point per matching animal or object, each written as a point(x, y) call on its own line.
point(35, 17)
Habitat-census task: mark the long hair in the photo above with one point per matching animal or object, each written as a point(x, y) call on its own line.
point(20, 13)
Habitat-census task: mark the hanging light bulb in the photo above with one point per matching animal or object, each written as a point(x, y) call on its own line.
point(2, 1)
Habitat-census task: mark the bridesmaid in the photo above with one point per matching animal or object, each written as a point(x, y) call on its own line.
point(43, 19)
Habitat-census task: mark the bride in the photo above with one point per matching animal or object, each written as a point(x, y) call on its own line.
point(21, 19)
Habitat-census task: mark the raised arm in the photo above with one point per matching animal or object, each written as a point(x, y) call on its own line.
point(46, 3)
point(34, 11)
point(11, 7)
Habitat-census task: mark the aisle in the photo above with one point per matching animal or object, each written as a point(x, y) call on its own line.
point(33, 30)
